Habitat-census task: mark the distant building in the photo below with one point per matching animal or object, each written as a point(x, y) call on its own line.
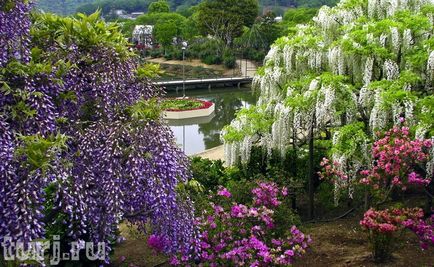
point(143, 36)
point(122, 14)
point(119, 12)
point(278, 19)
point(136, 14)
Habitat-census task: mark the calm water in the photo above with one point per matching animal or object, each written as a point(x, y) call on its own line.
point(199, 134)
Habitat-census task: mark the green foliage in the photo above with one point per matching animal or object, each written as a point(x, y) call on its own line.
point(167, 26)
point(229, 59)
point(186, 10)
point(38, 152)
point(149, 70)
point(315, 3)
point(325, 195)
point(147, 110)
point(209, 173)
point(106, 6)
point(294, 16)
point(62, 7)
point(56, 225)
point(87, 31)
point(224, 19)
point(67, 7)
point(164, 31)
point(172, 52)
point(351, 140)
point(208, 50)
point(181, 104)
point(160, 6)
point(190, 29)
point(261, 122)
point(256, 40)
point(426, 113)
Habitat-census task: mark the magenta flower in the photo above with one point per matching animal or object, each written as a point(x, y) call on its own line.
point(224, 192)
point(239, 211)
point(157, 243)
point(236, 234)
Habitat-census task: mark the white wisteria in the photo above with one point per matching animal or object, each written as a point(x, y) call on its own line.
point(337, 70)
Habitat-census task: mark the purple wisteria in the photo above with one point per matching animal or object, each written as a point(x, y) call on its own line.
point(14, 31)
point(74, 117)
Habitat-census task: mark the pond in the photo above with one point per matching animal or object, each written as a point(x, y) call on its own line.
point(199, 134)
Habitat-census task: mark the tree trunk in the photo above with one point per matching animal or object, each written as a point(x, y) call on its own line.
point(294, 168)
point(311, 173)
point(366, 200)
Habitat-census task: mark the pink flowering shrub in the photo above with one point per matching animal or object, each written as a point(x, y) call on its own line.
point(396, 160)
point(424, 229)
point(389, 220)
point(224, 192)
point(330, 171)
point(235, 234)
point(157, 243)
point(383, 224)
point(266, 194)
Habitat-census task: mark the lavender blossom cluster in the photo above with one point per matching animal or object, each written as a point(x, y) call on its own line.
point(14, 31)
point(114, 167)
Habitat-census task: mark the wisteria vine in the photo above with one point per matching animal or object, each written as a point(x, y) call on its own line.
point(74, 117)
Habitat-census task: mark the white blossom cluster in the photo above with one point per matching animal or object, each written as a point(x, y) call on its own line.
point(381, 9)
point(281, 129)
point(430, 66)
point(391, 69)
point(349, 163)
point(336, 60)
point(430, 163)
point(328, 45)
point(379, 116)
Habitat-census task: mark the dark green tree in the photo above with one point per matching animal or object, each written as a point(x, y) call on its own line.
point(161, 6)
point(165, 31)
point(225, 19)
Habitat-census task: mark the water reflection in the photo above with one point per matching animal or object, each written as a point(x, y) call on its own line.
point(197, 135)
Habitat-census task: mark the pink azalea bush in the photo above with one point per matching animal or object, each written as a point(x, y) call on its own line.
point(266, 194)
point(234, 234)
point(382, 224)
point(396, 160)
point(330, 171)
point(224, 192)
point(396, 157)
point(389, 220)
point(424, 229)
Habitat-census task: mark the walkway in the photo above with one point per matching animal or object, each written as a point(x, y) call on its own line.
point(232, 81)
point(215, 153)
point(247, 67)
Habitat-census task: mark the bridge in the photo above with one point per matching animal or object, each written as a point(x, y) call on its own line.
point(207, 83)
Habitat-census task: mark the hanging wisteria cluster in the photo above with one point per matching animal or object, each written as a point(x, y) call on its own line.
point(14, 31)
point(361, 61)
point(75, 118)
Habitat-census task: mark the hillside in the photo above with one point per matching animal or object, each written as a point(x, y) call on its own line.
point(66, 7)
point(62, 7)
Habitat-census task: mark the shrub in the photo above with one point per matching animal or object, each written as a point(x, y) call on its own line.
point(382, 226)
point(209, 173)
point(211, 59)
point(235, 234)
point(229, 59)
point(154, 53)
